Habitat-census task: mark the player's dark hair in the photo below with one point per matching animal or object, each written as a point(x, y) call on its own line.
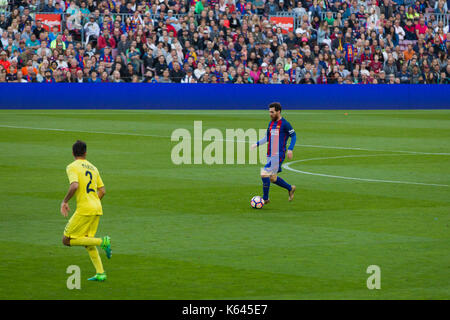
point(275, 105)
point(79, 148)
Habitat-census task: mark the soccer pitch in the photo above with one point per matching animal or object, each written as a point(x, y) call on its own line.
point(373, 188)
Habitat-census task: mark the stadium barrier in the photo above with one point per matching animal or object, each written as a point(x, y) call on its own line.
point(221, 96)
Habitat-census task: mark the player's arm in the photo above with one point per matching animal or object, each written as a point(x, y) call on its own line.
point(100, 187)
point(64, 205)
point(261, 142)
point(293, 137)
point(101, 192)
point(72, 174)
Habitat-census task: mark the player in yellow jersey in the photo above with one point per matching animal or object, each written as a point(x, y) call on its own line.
point(88, 188)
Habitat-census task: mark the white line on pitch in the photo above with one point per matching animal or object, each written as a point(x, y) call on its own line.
point(163, 136)
point(83, 131)
point(287, 166)
point(364, 149)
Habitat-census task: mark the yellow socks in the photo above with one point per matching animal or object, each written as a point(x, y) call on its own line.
point(95, 258)
point(86, 241)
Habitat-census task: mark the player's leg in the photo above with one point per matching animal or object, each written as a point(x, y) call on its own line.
point(265, 177)
point(282, 183)
point(80, 231)
point(93, 252)
point(86, 241)
point(97, 262)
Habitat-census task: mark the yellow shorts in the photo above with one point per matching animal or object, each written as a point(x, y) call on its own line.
point(81, 226)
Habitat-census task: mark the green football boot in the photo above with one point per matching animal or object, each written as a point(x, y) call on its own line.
point(106, 245)
point(98, 277)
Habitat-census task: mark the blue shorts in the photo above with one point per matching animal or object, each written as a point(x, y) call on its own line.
point(273, 167)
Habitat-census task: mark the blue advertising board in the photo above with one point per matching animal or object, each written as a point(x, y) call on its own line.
point(220, 96)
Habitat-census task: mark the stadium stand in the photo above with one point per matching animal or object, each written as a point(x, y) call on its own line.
point(226, 41)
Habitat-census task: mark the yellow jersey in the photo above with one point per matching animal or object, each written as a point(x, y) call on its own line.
point(89, 180)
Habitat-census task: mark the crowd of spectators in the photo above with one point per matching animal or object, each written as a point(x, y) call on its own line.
point(227, 41)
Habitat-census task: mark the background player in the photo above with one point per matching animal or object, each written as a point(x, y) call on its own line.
point(87, 185)
point(278, 132)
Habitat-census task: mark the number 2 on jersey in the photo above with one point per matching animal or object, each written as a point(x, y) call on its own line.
point(88, 173)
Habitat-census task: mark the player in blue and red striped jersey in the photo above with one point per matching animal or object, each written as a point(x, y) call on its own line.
point(278, 132)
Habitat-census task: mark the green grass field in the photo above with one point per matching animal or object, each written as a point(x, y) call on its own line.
point(188, 232)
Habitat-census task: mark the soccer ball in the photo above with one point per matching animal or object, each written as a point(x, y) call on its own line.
point(257, 202)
